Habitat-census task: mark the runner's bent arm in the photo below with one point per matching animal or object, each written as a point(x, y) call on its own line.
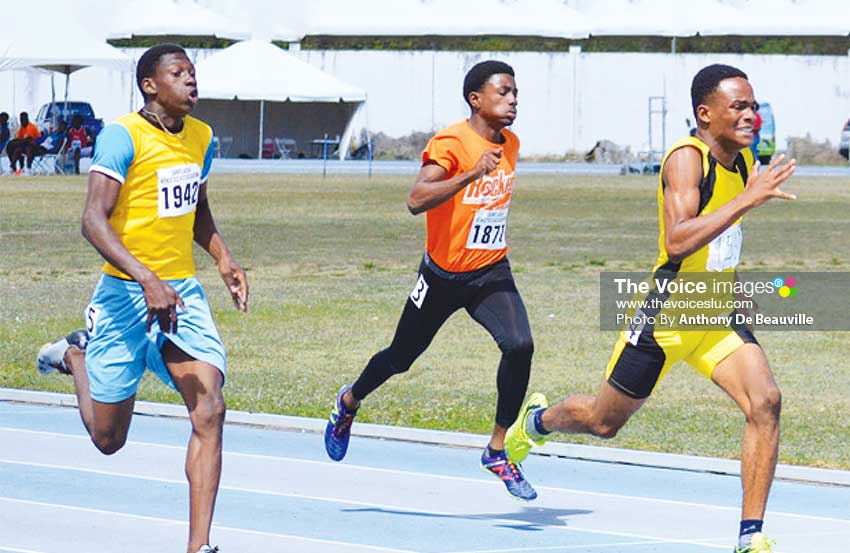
point(432, 188)
point(208, 237)
point(161, 298)
point(685, 231)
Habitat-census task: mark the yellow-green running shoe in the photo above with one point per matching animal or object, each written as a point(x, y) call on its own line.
point(517, 441)
point(759, 544)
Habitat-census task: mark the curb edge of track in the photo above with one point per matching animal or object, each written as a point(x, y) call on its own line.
point(671, 461)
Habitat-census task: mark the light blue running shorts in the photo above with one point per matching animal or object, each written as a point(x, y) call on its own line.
point(120, 349)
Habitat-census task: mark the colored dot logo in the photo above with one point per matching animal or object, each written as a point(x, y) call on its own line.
point(787, 287)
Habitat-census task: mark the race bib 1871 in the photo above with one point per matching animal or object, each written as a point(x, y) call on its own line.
point(488, 230)
point(178, 189)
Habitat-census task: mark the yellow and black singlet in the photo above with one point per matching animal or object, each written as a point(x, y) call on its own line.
point(717, 187)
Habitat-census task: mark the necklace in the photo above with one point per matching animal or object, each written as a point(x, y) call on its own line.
point(159, 122)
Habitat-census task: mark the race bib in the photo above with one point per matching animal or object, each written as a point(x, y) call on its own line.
point(724, 252)
point(91, 316)
point(488, 230)
point(178, 190)
point(419, 292)
point(636, 328)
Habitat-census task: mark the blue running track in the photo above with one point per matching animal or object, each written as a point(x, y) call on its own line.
point(281, 494)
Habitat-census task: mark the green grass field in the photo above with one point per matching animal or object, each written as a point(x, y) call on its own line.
point(331, 262)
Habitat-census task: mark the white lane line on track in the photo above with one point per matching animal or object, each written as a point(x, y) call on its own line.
point(572, 528)
point(349, 467)
point(384, 507)
point(561, 547)
point(216, 527)
point(654, 539)
point(257, 491)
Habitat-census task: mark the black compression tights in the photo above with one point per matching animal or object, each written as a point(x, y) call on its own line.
point(494, 302)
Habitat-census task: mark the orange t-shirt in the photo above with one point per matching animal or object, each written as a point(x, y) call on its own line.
point(468, 231)
point(29, 131)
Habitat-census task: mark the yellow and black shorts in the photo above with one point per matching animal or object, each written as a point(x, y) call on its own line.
point(637, 366)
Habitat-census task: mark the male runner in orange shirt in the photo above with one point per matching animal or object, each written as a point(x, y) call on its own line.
point(464, 187)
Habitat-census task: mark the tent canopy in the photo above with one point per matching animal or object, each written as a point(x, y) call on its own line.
point(50, 49)
point(657, 17)
point(171, 18)
point(266, 19)
point(257, 70)
point(791, 18)
point(253, 90)
point(548, 18)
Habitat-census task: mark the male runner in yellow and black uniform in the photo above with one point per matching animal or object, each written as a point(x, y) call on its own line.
point(708, 182)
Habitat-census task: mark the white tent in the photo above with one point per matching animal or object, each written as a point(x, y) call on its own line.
point(51, 49)
point(284, 20)
point(792, 18)
point(171, 18)
point(716, 17)
point(548, 18)
point(669, 18)
point(256, 85)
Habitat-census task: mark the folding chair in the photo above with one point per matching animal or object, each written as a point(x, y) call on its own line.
point(226, 142)
point(286, 147)
point(48, 164)
point(221, 145)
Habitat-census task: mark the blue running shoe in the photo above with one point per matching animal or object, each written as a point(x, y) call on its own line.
point(338, 430)
point(510, 473)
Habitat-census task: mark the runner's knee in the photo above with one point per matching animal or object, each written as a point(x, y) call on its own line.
point(109, 442)
point(208, 414)
point(519, 346)
point(397, 362)
point(766, 405)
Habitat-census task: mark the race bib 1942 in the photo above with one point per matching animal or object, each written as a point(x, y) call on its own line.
point(488, 230)
point(178, 189)
point(724, 252)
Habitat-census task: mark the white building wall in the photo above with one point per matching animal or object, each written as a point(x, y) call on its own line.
point(568, 100)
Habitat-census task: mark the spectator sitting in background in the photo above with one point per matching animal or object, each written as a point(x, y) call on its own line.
point(5, 133)
point(23, 144)
point(78, 142)
point(50, 143)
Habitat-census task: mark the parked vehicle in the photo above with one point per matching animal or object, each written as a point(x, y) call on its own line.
point(44, 118)
point(767, 135)
point(844, 141)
